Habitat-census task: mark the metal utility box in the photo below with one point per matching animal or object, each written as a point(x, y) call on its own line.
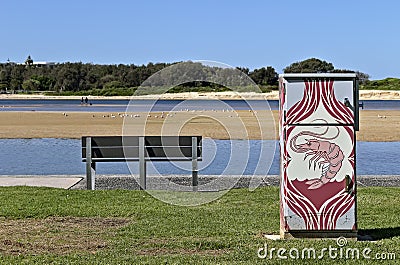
point(318, 117)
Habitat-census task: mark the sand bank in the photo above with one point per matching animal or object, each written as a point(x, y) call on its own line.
point(364, 95)
point(374, 125)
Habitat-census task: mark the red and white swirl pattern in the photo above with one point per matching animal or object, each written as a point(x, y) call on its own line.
point(315, 93)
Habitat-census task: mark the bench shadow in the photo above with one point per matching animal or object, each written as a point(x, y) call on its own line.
point(378, 233)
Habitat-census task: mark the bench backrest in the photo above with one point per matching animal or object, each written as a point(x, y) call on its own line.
point(126, 148)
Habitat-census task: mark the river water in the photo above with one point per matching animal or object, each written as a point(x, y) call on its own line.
point(63, 156)
point(65, 105)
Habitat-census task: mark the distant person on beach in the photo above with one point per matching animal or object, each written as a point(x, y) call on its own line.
point(86, 100)
point(82, 101)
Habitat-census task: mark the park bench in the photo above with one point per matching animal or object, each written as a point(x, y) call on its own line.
point(142, 149)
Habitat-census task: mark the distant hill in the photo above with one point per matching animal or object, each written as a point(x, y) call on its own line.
point(384, 84)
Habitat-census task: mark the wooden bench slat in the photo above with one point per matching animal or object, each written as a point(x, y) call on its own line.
point(177, 159)
point(149, 140)
point(103, 147)
point(131, 152)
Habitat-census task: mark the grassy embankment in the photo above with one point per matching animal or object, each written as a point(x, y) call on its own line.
point(43, 225)
point(384, 84)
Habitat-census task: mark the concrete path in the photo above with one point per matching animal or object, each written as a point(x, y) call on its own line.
point(62, 182)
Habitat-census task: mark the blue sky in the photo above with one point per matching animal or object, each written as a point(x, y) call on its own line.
point(357, 35)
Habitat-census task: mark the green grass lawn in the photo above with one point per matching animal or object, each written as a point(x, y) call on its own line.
point(43, 225)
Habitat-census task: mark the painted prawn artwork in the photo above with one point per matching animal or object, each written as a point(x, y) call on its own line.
point(326, 154)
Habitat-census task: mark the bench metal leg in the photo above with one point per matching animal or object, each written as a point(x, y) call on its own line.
point(90, 166)
point(91, 175)
point(142, 164)
point(195, 180)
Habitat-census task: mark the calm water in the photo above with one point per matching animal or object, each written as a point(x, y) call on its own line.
point(161, 105)
point(62, 156)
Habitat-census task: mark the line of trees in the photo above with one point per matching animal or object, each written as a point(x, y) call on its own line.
point(75, 78)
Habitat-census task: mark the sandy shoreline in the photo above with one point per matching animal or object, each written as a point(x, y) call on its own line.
point(364, 95)
point(375, 125)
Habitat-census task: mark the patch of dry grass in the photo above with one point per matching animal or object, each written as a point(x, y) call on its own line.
point(57, 235)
